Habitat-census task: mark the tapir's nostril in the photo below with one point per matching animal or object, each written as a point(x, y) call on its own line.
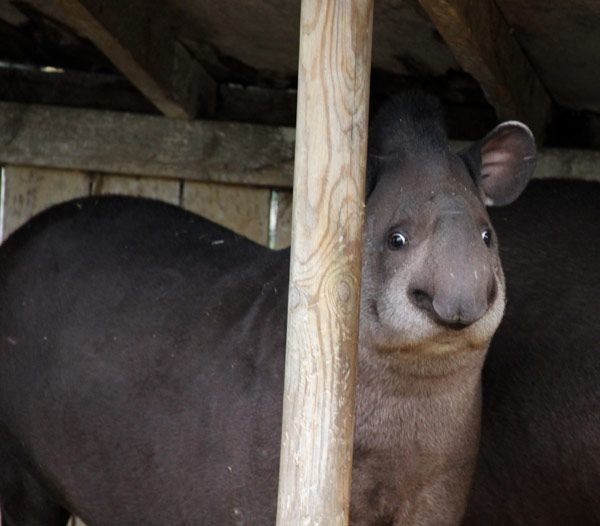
point(451, 310)
point(421, 299)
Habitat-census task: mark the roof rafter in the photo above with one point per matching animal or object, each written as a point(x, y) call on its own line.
point(140, 43)
point(484, 46)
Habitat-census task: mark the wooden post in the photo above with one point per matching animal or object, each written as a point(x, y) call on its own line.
point(329, 177)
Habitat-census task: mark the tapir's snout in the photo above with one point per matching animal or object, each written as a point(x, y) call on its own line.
point(458, 285)
point(453, 308)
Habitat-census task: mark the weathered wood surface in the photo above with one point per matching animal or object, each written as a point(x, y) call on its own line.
point(146, 51)
point(129, 144)
point(75, 89)
point(167, 190)
point(561, 38)
point(484, 46)
point(322, 337)
point(28, 191)
point(244, 210)
point(124, 143)
point(569, 164)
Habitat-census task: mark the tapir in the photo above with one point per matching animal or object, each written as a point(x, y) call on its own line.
point(142, 347)
point(539, 462)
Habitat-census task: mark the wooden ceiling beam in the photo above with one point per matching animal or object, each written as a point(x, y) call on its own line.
point(484, 46)
point(140, 43)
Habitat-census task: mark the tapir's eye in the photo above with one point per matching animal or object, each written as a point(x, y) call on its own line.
point(397, 240)
point(486, 235)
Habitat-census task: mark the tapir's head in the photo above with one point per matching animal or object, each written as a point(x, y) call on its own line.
point(432, 280)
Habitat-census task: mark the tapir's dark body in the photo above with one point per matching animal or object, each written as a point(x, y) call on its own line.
point(539, 462)
point(132, 412)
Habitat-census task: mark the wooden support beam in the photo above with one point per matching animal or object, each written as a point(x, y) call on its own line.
point(76, 89)
point(327, 221)
point(140, 43)
point(484, 46)
point(130, 144)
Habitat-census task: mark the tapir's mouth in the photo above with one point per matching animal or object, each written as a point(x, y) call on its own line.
point(456, 326)
point(416, 332)
point(453, 327)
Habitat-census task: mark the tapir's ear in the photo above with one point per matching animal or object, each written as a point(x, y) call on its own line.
point(502, 162)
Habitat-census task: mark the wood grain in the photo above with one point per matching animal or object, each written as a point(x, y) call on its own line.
point(29, 190)
point(167, 190)
point(129, 144)
point(244, 210)
point(137, 39)
point(331, 136)
point(484, 46)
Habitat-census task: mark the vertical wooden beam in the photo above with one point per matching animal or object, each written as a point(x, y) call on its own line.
point(331, 138)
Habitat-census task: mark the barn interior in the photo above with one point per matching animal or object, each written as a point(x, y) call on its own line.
point(194, 101)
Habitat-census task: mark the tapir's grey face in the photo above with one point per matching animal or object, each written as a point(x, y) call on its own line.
point(431, 271)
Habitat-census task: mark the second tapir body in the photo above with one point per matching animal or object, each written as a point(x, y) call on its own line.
point(539, 458)
point(142, 347)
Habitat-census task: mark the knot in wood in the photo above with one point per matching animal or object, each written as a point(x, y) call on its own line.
point(341, 292)
point(344, 292)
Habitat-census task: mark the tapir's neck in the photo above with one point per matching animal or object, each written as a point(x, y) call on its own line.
point(393, 403)
point(426, 427)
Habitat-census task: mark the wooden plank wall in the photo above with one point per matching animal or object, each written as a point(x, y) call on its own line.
point(244, 209)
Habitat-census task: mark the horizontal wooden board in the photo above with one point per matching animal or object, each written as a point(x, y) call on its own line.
point(242, 209)
point(124, 143)
point(569, 164)
point(167, 190)
point(129, 144)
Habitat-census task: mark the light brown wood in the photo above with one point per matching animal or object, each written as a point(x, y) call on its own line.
point(138, 40)
point(244, 210)
point(129, 144)
point(322, 337)
point(167, 190)
point(30, 190)
point(484, 46)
